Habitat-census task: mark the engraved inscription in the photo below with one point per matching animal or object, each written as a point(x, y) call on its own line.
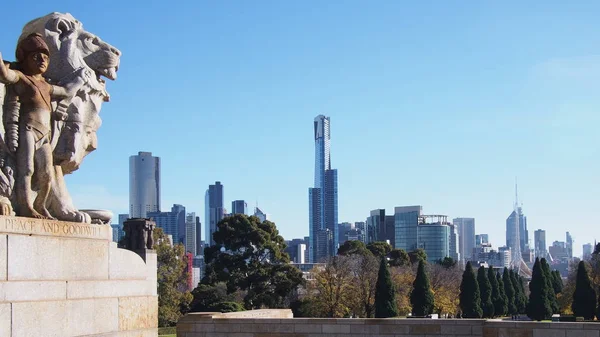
point(50, 227)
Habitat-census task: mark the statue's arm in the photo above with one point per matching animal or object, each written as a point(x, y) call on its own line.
point(7, 75)
point(69, 89)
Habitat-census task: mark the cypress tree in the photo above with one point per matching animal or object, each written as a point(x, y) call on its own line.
point(557, 283)
point(498, 296)
point(598, 309)
point(421, 297)
point(485, 293)
point(539, 307)
point(385, 293)
point(509, 290)
point(584, 297)
point(520, 300)
point(503, 301)
point(549, 280)
point(470, 301)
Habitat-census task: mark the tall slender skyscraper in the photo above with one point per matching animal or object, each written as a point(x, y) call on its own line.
point(466, 237)
point(323, 197)
point(214, 210)
point(144, 184)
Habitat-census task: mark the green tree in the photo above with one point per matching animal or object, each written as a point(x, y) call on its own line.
point(173, 297)
point(485, 293)
point(509, 290)
point(584, 297)
point(418, 255)
point(470, 300)
point(497, 300)
point(421, 297)
point(549, 279)
point(503, 301)
point(385, 293)
point(539, 307)
point(249, 255)
point(557, 283)
point(520, 299)
point(209, 297)
point(399, 258)
point(447, 262)
point(379, 248)
point(353, 247)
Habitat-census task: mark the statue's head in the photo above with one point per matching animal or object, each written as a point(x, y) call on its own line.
point(72, 48)
point(33, 54)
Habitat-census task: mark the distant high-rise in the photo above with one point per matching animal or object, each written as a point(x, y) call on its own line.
point(454, 240)
point(239, 207)
point(588, 249)
point(569, 245)
point(323, 197)
point(466, 237)
point(172, 223)
point(541, 249)
point(406, 222)
point(381, 226)
point(214, 210)
point(523, 235)
point(262, 216)
point(190, 234)
point(199, 247)
point(144, 184)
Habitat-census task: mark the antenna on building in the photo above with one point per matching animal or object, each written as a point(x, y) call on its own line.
point(516, 194)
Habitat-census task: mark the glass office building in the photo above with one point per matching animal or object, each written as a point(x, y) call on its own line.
point(435, 240)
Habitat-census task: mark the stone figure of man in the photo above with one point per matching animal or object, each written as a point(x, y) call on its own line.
point(28, 129)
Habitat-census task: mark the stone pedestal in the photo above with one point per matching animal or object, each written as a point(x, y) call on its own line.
point(69, 279)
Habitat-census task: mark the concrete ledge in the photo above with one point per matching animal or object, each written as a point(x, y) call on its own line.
point(55, 228)
point(125, 264)
point(48, 258)
point(110, 288)
point(3, 257)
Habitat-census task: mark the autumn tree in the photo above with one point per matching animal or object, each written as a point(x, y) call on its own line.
point(485, 292)
point(248, 255)
point(421, 297)
point(332, 287)
point(403, 278)
point(444, 282)
point(385, 295)
point(470, 300)
point(173, 297)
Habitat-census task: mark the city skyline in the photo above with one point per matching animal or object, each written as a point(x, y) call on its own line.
point(431, 109)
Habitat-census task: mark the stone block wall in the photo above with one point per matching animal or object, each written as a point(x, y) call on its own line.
point(226, 325)
point(68, 279)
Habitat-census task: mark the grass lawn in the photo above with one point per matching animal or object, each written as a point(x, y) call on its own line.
point(167, 335)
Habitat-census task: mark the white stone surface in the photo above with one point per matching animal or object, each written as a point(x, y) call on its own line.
point(93, 316)
point(136, 313)
point(125, 264)
point(5, 320)
point(3, 257)
point(103, 289)
point(19, 291)
point(48, 258)
point(65, 318)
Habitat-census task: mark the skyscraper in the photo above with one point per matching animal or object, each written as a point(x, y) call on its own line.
point(323, 197)
point(144, 184)
point(381, 226)
point(199, 247)
point(406, 223)
point(569, 245)
point(521, 223)
point(466, 237)
point(239, 207)
point(214, 210)
point(190, 234)
point(541, 249)
point(260, 214)
point(172, 223)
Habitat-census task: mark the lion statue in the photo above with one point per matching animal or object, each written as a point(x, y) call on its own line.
point(71, 49)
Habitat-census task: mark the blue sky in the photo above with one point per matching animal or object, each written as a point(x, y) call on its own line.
point(434, 103)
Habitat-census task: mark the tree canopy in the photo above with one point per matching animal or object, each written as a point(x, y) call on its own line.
point(539, 307)
point(353, 247)
point(418, 255)
point(249, 255)
point(379, 248)
point(584, 297)
point(485, 291)
point(173, 297)
point(399, 258)
point(509, 290)
point(498, 296)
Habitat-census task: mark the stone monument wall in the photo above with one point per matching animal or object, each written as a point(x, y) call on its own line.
point(278, 324)
point(69, 279)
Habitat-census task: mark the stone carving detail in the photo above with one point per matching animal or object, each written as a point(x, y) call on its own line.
point(138, 234)
point(76, 62)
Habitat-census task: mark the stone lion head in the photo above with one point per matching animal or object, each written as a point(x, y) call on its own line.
point(73, 48)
